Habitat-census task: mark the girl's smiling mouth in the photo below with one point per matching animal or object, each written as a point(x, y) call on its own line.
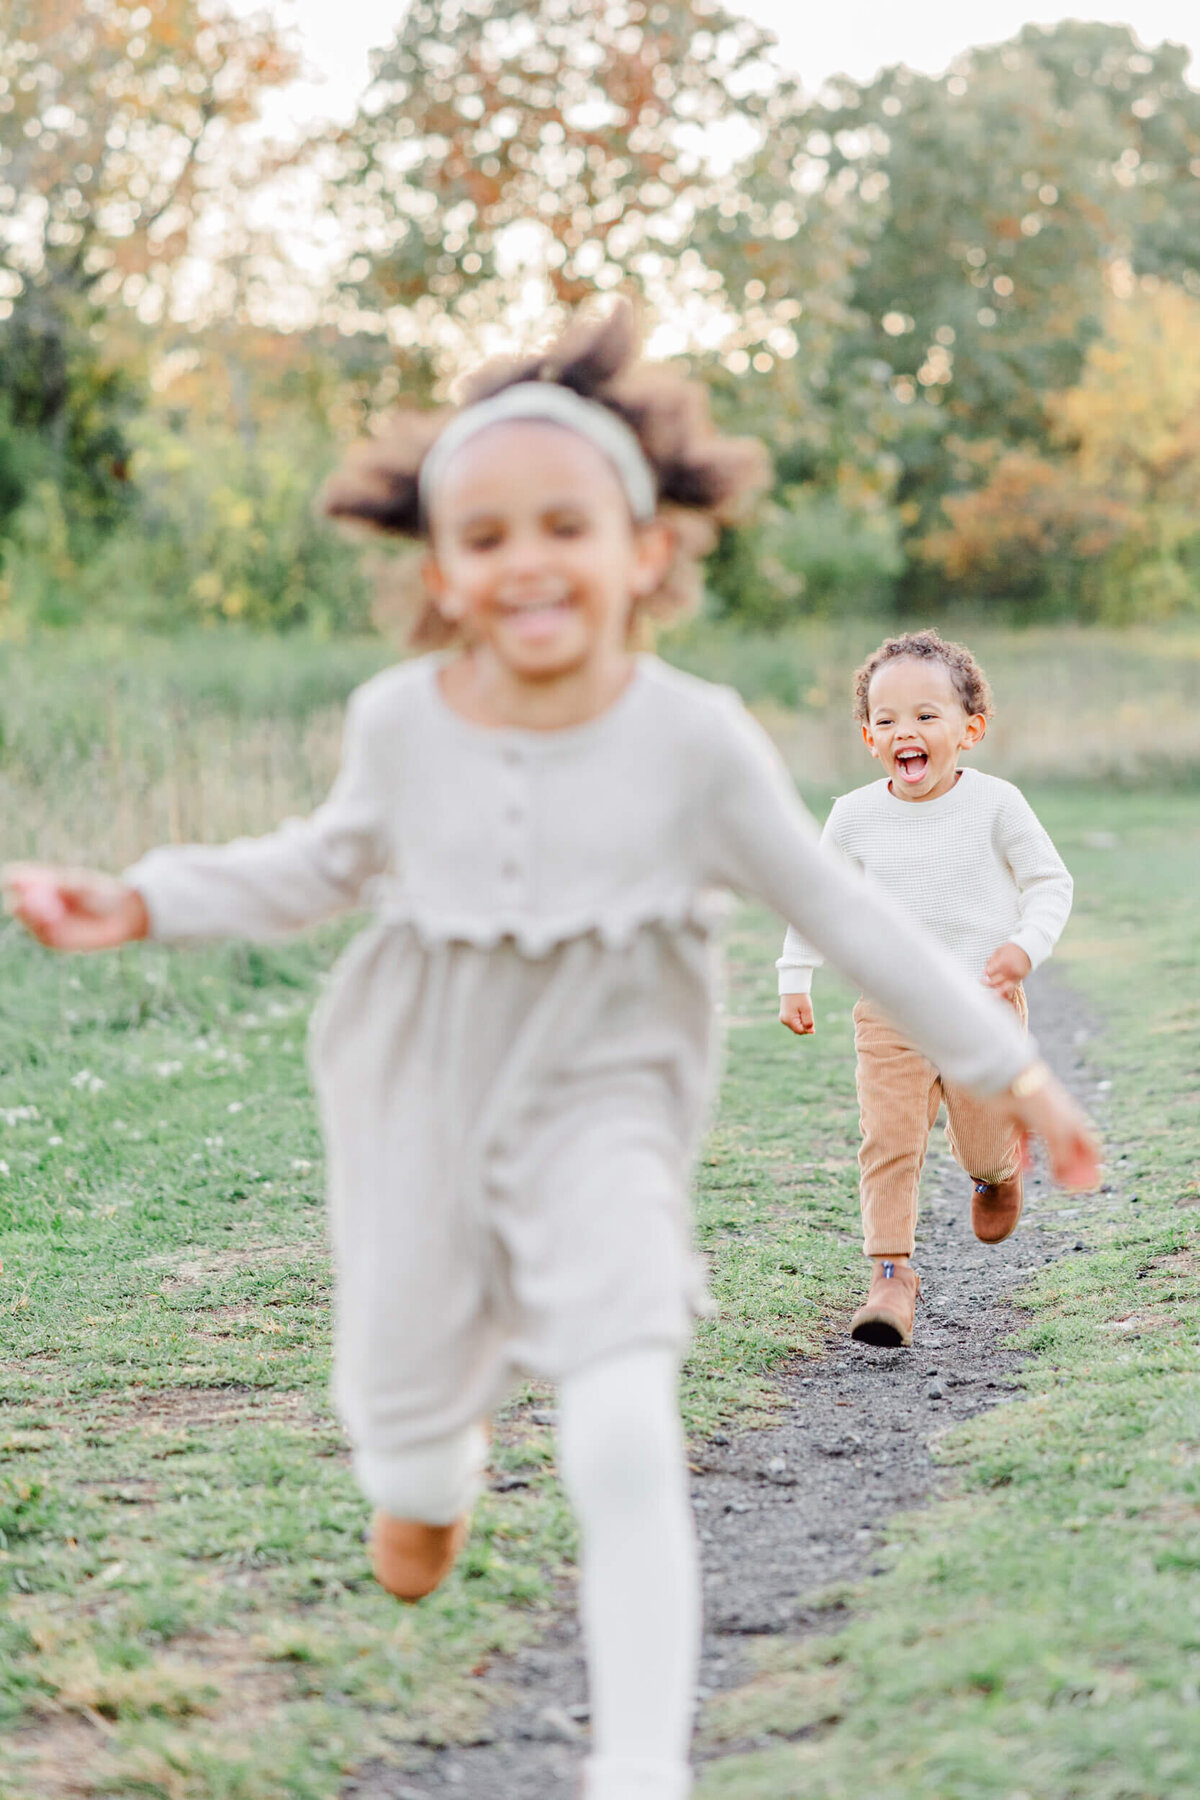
point(912, 765)
point(536, 617)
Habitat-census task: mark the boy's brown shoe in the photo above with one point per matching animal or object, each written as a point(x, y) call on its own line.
point(996, 1208)
point(886, 1316)
point(410, 1559)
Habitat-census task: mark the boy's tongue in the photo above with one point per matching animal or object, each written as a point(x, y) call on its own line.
point(912, 768)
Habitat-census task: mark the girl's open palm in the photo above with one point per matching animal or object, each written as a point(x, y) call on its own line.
point(74, 909)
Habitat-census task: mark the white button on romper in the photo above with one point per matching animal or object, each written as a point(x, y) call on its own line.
point(513, 1060)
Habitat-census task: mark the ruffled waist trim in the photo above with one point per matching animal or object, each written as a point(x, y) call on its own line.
point(537, 935)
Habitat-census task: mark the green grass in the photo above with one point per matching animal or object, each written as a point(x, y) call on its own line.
point(1037, 1637)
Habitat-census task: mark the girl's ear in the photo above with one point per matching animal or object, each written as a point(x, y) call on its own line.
point(869, 740)
point(976, 731)
point(434, 583)
point(654, 549)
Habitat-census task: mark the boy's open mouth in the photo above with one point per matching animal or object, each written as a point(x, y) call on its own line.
point(911, 764)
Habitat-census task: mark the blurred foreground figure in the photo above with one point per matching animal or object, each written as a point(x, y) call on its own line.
point(513, 1060)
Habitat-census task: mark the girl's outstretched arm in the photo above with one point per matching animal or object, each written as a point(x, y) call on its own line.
point(765, 843)
point(259, 888)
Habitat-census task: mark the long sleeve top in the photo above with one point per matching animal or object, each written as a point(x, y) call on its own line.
point(975, 867)
point(633, 819)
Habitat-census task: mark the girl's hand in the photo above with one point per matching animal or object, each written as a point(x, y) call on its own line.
point(1052, 1115)
point(1006, 968)
point(796, 1012)
point(74, 909)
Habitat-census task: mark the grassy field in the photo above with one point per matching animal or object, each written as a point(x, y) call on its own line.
point(187, 1611)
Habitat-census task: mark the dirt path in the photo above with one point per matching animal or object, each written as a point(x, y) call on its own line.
point(785, 1513)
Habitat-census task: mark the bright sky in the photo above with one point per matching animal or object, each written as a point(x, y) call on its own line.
point(818, 38)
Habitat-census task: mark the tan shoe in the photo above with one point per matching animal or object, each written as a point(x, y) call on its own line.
point(886, 1316)
point(996, 1208)
point(410, 1559)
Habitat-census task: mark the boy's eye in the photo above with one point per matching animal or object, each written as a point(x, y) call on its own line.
point(566, 525)
point(485, 538)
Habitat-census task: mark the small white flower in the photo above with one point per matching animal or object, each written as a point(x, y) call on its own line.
point(54, 1141)
point(301, 1165)
point(166, 1069)
point(3, 1167)
point(235, 1106)
point(88, 1083)
point(18, 1115)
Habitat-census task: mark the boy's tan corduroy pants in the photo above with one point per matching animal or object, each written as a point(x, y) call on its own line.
point(899, 1093)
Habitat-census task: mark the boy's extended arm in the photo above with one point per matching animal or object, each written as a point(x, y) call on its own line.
point(1041, 876)
point(265, 887)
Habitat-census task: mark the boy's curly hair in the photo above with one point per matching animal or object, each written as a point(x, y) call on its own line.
point(970, 682)
point(703, 479)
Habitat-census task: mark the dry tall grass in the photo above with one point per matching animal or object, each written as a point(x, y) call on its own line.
point(108, 748)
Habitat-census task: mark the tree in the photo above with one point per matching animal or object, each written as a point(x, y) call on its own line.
point(1111, 516)
point(510, 161)
point(565, 138)
point(114, 122)
point(990, 202)
point(1131, 427)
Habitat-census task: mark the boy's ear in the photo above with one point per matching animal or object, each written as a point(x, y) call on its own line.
point(975, 732)
point(869, 740)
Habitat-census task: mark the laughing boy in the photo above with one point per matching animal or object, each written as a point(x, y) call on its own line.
point(965, 855)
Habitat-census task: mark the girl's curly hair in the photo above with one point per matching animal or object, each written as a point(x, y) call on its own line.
point(703, 479)
point(970, 682)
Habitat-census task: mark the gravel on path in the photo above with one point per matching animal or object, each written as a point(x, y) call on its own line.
point(788, 1512)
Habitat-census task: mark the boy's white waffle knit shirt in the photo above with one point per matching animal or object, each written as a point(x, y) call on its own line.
point(975, 867)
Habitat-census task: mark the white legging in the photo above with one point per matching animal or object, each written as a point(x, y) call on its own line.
point(622, 1461)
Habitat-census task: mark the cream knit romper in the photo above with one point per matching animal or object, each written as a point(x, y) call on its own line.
point(513, 1061)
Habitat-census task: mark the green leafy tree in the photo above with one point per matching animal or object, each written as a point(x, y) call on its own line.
point(114, 119)
point(990, 204)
